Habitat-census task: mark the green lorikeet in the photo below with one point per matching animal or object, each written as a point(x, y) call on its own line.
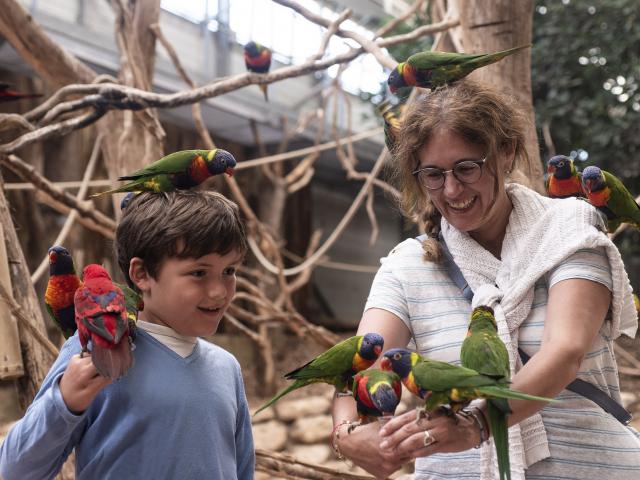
point(257, 59)
point(61, 287)
point(336, 366)
point(441, 383)
point(178, 171)
point(101, 317)
point(609, 195)
point(563, 179)
point(484, 352)
point(377, 394)
point(7, 94)
point(392, 124)
point(432, 69)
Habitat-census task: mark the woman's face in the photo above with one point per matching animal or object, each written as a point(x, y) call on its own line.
point(470, 207)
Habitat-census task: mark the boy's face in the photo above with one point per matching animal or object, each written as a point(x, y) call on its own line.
point(189, 295)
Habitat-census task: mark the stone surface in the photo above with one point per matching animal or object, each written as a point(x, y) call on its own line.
point(317, 454)
point(271, 435)
point(312, 429)
point(289, 410)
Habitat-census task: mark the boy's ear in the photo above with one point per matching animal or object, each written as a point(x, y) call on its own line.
point(138, 274)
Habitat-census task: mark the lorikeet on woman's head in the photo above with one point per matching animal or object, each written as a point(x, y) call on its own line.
point(61, 287)
point(178, 171)
point(608, 194)
point(336, 366)
point(101, 317)
point(563, 179)
point(433, 69)
point(257, 59)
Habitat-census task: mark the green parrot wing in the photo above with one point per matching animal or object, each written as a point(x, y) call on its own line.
point(132, 299)
point(442, 376)
point(621, 202)
point(334, 362)
point(428, 60)
point(173, 163)
point(485, 353)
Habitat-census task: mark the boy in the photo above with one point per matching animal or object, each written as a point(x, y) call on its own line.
point(180, 412)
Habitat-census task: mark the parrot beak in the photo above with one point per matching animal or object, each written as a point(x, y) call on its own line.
point(229, 171)
point(551, 169)
point(385, 364)
point(377, 350)
point(52, 257)
point(587, 185)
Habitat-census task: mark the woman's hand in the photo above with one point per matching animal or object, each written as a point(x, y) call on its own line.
point(362, 447)
point(80, 383)
point(405, 437)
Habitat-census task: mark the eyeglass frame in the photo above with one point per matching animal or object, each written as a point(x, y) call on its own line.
point(480, 163)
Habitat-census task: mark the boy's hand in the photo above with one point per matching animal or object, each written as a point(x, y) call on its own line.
point(80, 383)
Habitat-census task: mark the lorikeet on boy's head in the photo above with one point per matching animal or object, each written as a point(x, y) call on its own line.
point(433, 69)
point(609, 195)
point(336, 366)
point(178, 171)
point(257, 59)
point(61, 287)
point(563, 179)
point(101, 317)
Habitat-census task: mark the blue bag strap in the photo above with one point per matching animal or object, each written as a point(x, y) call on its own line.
point(578, 386)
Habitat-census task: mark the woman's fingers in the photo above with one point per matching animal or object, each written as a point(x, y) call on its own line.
point(396, 423)
point(404, 432)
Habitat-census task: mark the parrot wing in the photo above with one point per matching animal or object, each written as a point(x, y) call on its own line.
point(441, 376)
point(621, 202)
point(486, 354)
point(335, 362)
point(430, 60)
point(173, 163)
point(96, 311)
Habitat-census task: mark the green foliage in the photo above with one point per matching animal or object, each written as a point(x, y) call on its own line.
point(585, 77)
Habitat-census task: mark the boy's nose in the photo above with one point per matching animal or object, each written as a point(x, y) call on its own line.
point(217, 290)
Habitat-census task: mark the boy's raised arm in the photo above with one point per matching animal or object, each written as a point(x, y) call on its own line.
point(37, 446)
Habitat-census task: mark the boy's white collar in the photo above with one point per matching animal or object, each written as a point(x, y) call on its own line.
point(183, 345)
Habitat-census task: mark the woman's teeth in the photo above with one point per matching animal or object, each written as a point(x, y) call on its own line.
point(462, 205)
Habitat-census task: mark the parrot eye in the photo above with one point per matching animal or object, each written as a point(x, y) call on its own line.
point(561, 164)
point(397, 356)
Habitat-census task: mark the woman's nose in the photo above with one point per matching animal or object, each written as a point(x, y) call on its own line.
point(452, 185)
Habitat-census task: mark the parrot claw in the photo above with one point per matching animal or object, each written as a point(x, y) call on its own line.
point(450, 412)
point(353, 426)
point(421, 412)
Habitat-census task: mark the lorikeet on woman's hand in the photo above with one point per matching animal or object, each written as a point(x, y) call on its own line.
point(377, 393)
point(441, 383)
point(609, 195)
point(432, 69)
point(101, 316)
point(257, 59)
point(61, 287)
point(178, 171)
point(336, 366)
point(484, 352)
point(563, 179)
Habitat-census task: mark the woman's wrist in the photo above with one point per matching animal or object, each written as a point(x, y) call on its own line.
point(339, 430)
point(476, 414)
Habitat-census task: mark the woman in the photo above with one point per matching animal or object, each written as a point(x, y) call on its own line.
point(556, 282)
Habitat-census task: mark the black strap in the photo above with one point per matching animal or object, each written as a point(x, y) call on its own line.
point(578, 386)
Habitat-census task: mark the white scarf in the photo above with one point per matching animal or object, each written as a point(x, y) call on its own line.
point(541, 233)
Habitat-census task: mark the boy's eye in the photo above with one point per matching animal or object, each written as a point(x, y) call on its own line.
point(198, 273)
point(230, 271)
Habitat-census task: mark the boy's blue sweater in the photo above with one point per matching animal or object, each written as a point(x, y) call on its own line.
point(169, 417)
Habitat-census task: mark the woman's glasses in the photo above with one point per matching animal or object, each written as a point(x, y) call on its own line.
point(467, 171)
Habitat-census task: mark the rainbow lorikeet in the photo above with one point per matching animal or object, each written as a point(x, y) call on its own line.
point(392, 124)
point(441, 383)
point(336, 366)
point(178, 171)
point(432, 69)
point(563, 179)
point(257, 59)
point(61, 287)
point(7, 94)
point(126, 200)
point(484, 352)
point(609, 195)
point(377, 393)
point(101, 317)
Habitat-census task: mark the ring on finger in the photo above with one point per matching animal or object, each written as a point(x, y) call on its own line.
point(428, 439)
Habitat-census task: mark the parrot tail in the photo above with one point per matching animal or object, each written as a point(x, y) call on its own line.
point(124, 188)
point(294, 386)
point(504, 392)
point(263, 87)
point(500, 433)
point(113, 363)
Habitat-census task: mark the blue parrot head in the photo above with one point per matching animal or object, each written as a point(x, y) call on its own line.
point(371, 346)
point(396, 80)
point(126, 200)
point(385, 398)
point(252, 49)
point(60, 261)
point(593, 179)
point(220, 161)
point(397, 360)
point(560, 167)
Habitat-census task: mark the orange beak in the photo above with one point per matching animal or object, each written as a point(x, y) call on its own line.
point(229, 171)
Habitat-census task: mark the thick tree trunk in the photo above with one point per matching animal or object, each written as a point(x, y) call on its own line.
point(493, 25)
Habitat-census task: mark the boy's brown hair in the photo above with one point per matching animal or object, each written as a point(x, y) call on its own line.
point(182, 224)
